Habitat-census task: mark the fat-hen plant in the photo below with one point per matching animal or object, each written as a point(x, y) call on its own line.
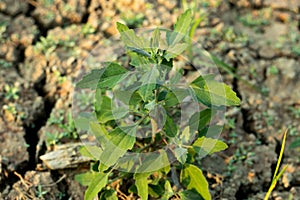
point(144, 148)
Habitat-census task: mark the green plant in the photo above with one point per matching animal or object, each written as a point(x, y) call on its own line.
point(133, 20)
point(273, 70)
point(260, 18)
point(60, 78)
point(87, 29)
point(290, 39)
point(66, 128)
point(269, 118)
point(10, 108)
point(241, 155)
point(3, 27)
point(138, 119)
point(47, 45)
point(277, 174)
point(295, 111)
point(5, 64)
point(295, 143)
point(40, 192)
point(197, 18)
point(11, 92)
point(230, 35)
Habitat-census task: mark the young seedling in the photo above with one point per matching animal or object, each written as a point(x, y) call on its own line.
point(138, 120)
point(11, 92)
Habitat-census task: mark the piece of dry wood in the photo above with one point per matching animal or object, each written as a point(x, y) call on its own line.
point(64, 156)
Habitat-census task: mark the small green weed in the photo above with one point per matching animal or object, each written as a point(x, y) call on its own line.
point(87, 29)
point(66, 128)
point(273, 70)
point(242, 154)
point(11, 92)
point(5, 64)
point(295, 111)
point(146, 127)
point(47, 45)
point(3, 27)
point(40, 192)
point(260, 18)
point(290, 40)
point(269, 118)
point(133, 20)
point(10, 108)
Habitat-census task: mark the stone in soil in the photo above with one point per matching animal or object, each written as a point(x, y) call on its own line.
point(13, 7)
point(13, 145)
point(22, 30)
point(59, 12)
point(284, 85)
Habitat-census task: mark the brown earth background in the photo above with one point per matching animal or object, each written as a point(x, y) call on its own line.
point(42, 47)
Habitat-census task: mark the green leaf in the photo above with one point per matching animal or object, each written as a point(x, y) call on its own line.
point(175, 96)
point(133, 42)
point(90, 80)
point(82, 122)
point(106, 111)
point(181, 154)
point(119, 142)
point(193, 178)
point(107, 77)
point(119, 112)
point(99, 132)
point(213, 93)
point(102, 167)
point(170, 99)
point(84, 178)
point(139, 62)
point(189, 195)
point(123, 137)
point(109, 195)
point(113, 74)
point(98, 182)
point(92, 152)
point(168, 191)
point(199, 120)
point(98, 100)
point(151, 105)
point(181, 28)
point(204, 146)
point(149, 80)
point(154, 161)
point(168, 64)
point(295, 143)
point(183, 22)
point(211, 131)
point(142, 184)
point(170, 127)
point(186, 135)
point(135, 99)
point(121, 27)
point(155, 40)
point(155, 190)
point(139, 51)
point(175, 50)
